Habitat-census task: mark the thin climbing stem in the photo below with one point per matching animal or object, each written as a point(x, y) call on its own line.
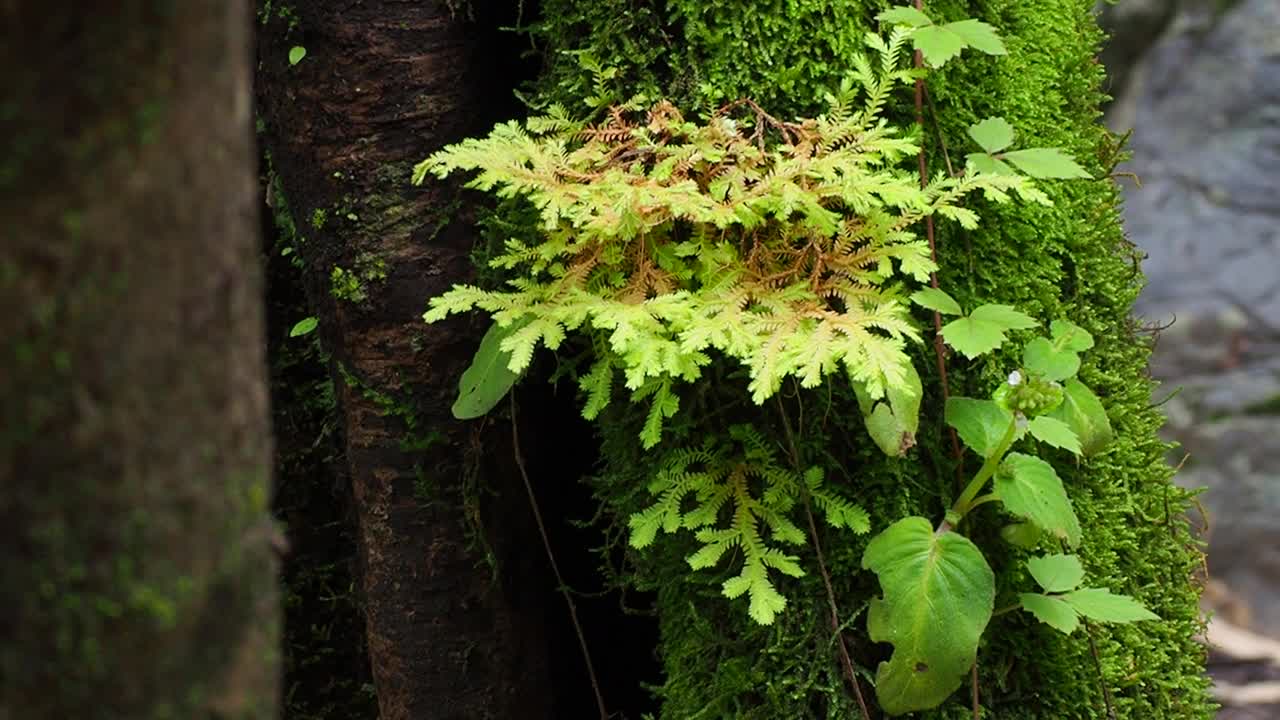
point(555, 567)
point(845, 660)
point(938, 350)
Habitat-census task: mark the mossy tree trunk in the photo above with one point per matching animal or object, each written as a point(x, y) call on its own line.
point(444, 532)
point(1070, 260)
point(137, 573)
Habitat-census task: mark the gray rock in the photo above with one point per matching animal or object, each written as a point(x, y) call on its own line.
point(1204, 104)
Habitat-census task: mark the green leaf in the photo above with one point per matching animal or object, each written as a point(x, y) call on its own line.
point(984, 163)
point(1031, 489)
point(1051, 611)
point(1069, 336)
point(904, 16)
point(1054, 432)
point(1024, 535)
point(979, 36)
point(983, 330)
point(993, 134)
point(1056, 573)
point(939, 594)
point(981, 424)
point(304, 326)
point(1040, 356)
point(1083, 412)
point(1101, 605)
point(296, 53)
point(938, 44)
point(935, 299)
point(488, 379)
point(1046, 163)
point(894, 420)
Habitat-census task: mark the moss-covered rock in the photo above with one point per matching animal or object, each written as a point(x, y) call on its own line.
point(1070, 260)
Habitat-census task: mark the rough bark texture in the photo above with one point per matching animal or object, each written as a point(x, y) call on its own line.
point(137, 575)
point(452, 630)
point(1067, 261)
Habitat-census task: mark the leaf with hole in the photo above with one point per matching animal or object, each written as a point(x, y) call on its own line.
point(488, 379)
point(1031, 489)
point(893, 420)
point(1056, 573)
point(939, 594)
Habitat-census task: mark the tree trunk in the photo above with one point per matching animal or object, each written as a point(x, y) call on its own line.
point(1067, 261)
point(137, 572)
point(383, 84)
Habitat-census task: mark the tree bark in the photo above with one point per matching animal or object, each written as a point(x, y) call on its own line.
point(382, 85)
point(137, 574)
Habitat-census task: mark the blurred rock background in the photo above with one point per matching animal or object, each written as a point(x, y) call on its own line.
point(1198, 83)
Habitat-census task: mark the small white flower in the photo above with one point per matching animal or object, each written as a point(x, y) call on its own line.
point(1015, 378)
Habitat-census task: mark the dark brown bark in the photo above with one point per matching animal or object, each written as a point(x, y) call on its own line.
point(452, 630)
point(137, 574)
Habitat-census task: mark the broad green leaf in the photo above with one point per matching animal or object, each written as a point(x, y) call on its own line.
point(488, 379)
point(984, 163)
point(296, 53)
point(893, 420)
point(979, 36)
point(937, 43)
point(304, 326)
point(981, 424)
point(1056, 573)
point(904, 16)
point(939, 594)
point(1054, 432)
point(935, 299)
point(1083, 412)
point(1041, 357)
point(1030, 488)
point(1051, 611)
point(1070, 336)
point(1101, 605)
point(1046, 163)
point(1023, 534)
point(993, 134)
point(984, 329)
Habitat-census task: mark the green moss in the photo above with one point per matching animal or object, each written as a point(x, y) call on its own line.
point(1070, 260)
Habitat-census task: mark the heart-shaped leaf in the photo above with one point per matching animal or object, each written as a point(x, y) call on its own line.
point(1056, 573)
point(939, 594)
point(1042, 357)
point(993, 134)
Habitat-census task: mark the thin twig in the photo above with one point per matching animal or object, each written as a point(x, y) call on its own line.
point(1097, 662)
point(938, 350)
point(555, 567)
point(845, 660)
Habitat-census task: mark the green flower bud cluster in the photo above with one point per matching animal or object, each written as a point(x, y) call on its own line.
point(1028, 394)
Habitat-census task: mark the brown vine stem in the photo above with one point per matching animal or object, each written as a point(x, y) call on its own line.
point(1102, 680)
point(845, 660)
point(938, 350)
point(555, 567)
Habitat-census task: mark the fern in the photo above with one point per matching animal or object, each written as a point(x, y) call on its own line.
point(735, 495)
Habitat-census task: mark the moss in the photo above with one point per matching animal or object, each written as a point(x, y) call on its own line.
point(1070, 260)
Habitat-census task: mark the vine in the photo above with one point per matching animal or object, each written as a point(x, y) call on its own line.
point(787, 247)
